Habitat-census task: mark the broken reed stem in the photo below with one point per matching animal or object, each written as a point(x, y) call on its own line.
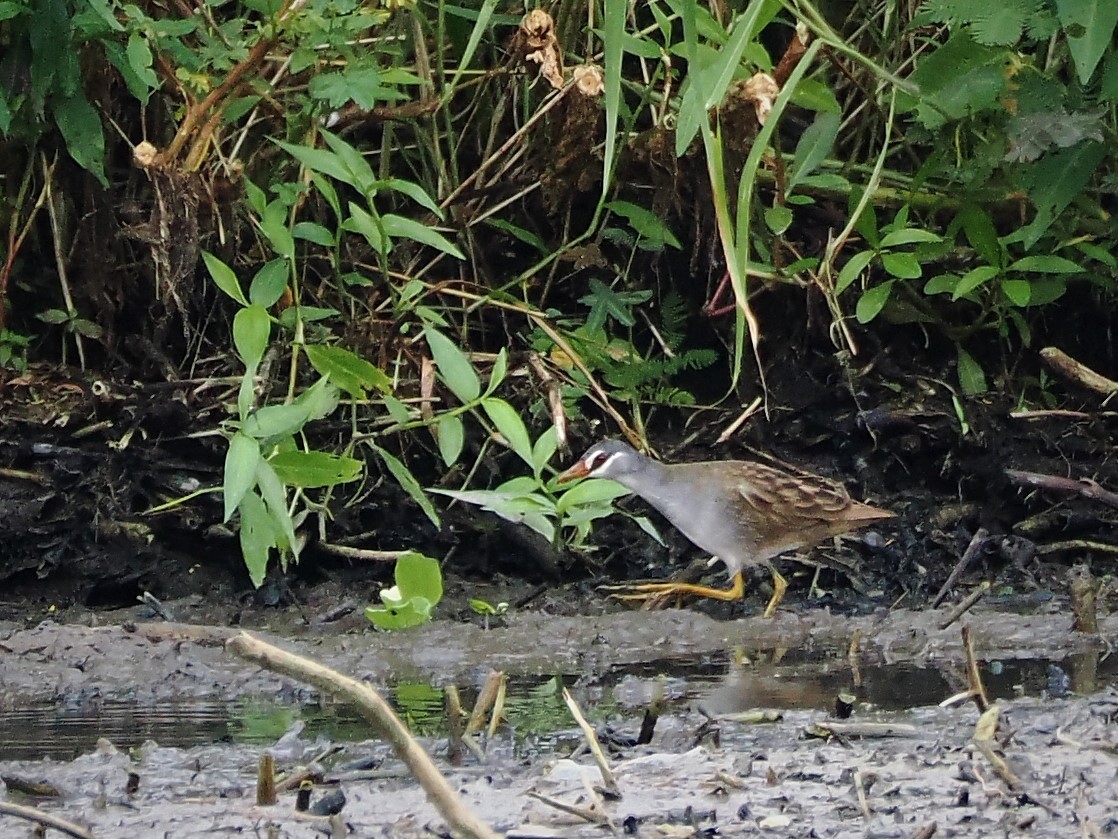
point(852, 657)
point(266, 781)
point(965, 604)
point(48, 820)
point(498, 707)
point(976, 542)
point(974, 678)
point(608, 781)
point(860, 789)
point(585, 813)
point(485, 699)
point(461, 819)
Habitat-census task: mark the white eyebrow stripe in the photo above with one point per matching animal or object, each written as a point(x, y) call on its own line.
point(605, 464)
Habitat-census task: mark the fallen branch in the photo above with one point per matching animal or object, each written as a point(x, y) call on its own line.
point(33, 814)
point(1076, 371)
point(976, 543)
point(965, 604)
point(372, 707)
point(1085, 487)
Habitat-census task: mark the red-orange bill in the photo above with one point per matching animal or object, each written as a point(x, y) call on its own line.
point(577, 471)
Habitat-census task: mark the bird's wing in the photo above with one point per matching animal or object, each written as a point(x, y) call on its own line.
point(794, 500)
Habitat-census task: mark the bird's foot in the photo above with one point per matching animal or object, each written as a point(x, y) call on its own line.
point(658, 593)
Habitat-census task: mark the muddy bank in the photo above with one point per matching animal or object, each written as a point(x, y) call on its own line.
point(768, 778)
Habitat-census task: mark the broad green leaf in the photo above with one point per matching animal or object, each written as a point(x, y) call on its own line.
point(310, 470)
point(240, 471)
point(971, 378)
point(451, 436)
point(313, 232)
point(419, 576)
point(415, 192)
point(454, 366)
point(903, 265)
point(590, 492)
point(407, 480)
point(251, 330)
point(224, 278)
point(853, 269)
point(406, 228)
point(872, 301)
point(274, 494)
point(406, 615)
point(347, 370)
point(909, 236)
point(1046, 264)
point(942, 284)
point(273, 224)
point(257, 536)
point(1018, 291)
point(80, 125)
point(980, 232)
point(276, 421)
point(140, 61)
point(511, 426)
point(778, 219)
point(360, 172)
point(973, 279)
point(1090, 29)
point(268, 284)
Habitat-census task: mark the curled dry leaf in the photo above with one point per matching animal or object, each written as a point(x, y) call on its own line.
point(588, 79)
point(537, 34)
point(761, 89)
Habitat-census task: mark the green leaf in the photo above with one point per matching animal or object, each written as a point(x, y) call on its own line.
point(872, 301)
point(589, 492)
point(1090, 28)
point(251, 330)
point(362, 222)
point(324, 161)
point(909, 236)
point(971, 378)
point(942, 284)
point(815, 144)
point(312, 232)
point(396, 409)
point(980, 232)
point(647, 224)
point(1018, 291)
point(268, 284)
point(224, 278)
point(903, 265)
point(407, 480)
point(778, 219)
point(454, 366)
point(347, 370)
point(240, 471)
point(140, 61)
point(419, 576)
point(412, 600)
point(973, 279)
point(407, 228)
point(853, 269)
point(508, 422)
point(273, 421)
point(311, 470)
point(274, 494)
point(81, 128)
point(257, 536)
point(499, 371)
point(605, 302)
point(544, 449)
point(1046, 264)
point(451, 436)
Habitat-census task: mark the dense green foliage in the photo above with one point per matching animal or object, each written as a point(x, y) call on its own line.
point(415, 210)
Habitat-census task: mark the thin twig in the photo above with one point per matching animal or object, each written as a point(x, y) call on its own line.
point(976, 542)
point(965, 604)
point(608, 781)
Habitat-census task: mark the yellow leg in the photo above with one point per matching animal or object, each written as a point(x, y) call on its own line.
point(647, 591)
point(780, 585)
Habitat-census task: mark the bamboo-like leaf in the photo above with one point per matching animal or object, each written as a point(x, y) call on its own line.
point(240, 471)
point(454, 366)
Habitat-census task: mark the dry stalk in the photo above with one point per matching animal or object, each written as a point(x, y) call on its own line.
point(965, 604)
point(47, 820)
point(372, 707)
point(608, 781)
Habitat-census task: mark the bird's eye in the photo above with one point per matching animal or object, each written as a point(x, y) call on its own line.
point(598, 460)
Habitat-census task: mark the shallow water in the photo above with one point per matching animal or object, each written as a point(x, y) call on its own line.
point(534, 707)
